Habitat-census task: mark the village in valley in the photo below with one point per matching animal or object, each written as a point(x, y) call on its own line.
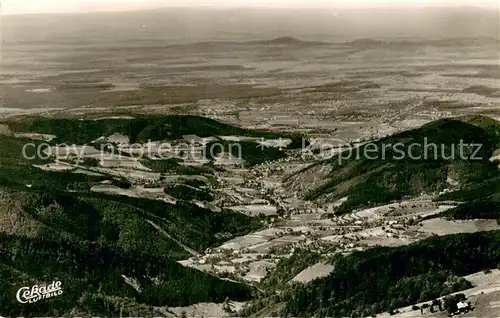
point(270, 191)
point(243, 162)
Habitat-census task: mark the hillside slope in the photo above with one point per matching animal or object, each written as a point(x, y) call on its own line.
point(89, 241)
point(406, 164)
point(104, 249)
point(383, 279)
point(92, 281)
point(139, 129)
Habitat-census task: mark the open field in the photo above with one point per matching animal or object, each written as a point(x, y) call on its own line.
point(204, 310)
point(351, 85)
point(313, 272)
point(444, 227)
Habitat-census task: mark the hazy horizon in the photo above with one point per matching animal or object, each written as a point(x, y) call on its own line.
point(18, 7)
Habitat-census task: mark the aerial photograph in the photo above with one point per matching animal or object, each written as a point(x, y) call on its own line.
point(250, 158)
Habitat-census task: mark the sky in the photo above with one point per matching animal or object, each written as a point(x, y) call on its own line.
point(63, 6)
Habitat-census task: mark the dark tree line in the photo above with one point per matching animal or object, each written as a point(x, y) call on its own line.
point(88, 268)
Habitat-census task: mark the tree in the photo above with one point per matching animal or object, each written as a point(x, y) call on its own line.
point(393, 306)
point(437, 302)
point(450, 303)
point(90, 162)
point(425, 295)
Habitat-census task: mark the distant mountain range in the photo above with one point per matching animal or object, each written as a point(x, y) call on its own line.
point(181, 25)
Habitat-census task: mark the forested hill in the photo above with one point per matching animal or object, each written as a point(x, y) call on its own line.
point(385, 279)
point(89, 241)
point(52, 227)
point(138, 129)
point(93, 279)
point(396, 168)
